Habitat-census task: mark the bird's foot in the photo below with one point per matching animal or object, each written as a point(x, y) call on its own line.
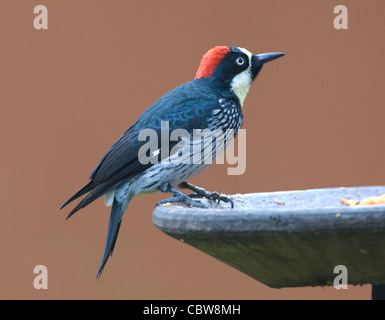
point(202, 193)
point(179, 197)
point(184, 199)
point(215, 196)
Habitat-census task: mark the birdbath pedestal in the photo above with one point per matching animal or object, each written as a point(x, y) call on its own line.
point(288, 239)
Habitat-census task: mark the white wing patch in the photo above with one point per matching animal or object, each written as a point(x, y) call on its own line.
point(109, 198)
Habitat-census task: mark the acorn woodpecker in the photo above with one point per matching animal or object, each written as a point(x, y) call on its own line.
point(213, 100)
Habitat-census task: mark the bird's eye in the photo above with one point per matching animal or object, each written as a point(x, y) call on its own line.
point(240, 61)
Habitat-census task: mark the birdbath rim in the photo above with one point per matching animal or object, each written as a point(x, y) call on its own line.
point(281, 211)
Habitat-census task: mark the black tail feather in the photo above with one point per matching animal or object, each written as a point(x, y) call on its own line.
point(112, 234)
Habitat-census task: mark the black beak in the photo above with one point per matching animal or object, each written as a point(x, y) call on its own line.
point(267, 57)
point(258, 60)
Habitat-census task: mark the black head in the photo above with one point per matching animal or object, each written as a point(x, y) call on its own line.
point(235, 67)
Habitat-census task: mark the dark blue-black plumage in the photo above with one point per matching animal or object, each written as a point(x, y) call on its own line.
point(189, 106)
point(208, 102)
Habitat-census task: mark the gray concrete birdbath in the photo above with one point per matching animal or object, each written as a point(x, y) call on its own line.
point(288, 239)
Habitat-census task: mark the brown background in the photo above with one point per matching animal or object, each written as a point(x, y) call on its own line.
point(314, 118)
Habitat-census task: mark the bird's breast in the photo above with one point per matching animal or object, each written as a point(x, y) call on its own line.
point(226, 116)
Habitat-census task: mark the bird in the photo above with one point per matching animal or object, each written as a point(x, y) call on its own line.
point(212, 100)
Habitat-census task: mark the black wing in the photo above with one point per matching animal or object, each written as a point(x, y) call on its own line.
point(184, 107)
point(119, 164)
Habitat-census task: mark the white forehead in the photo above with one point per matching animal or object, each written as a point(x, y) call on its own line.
point(247, 52)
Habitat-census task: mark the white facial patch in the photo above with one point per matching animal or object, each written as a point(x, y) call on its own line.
point(242, 81)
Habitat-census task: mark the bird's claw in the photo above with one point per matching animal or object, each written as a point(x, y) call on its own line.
point(215, 196)
point(187, 200)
